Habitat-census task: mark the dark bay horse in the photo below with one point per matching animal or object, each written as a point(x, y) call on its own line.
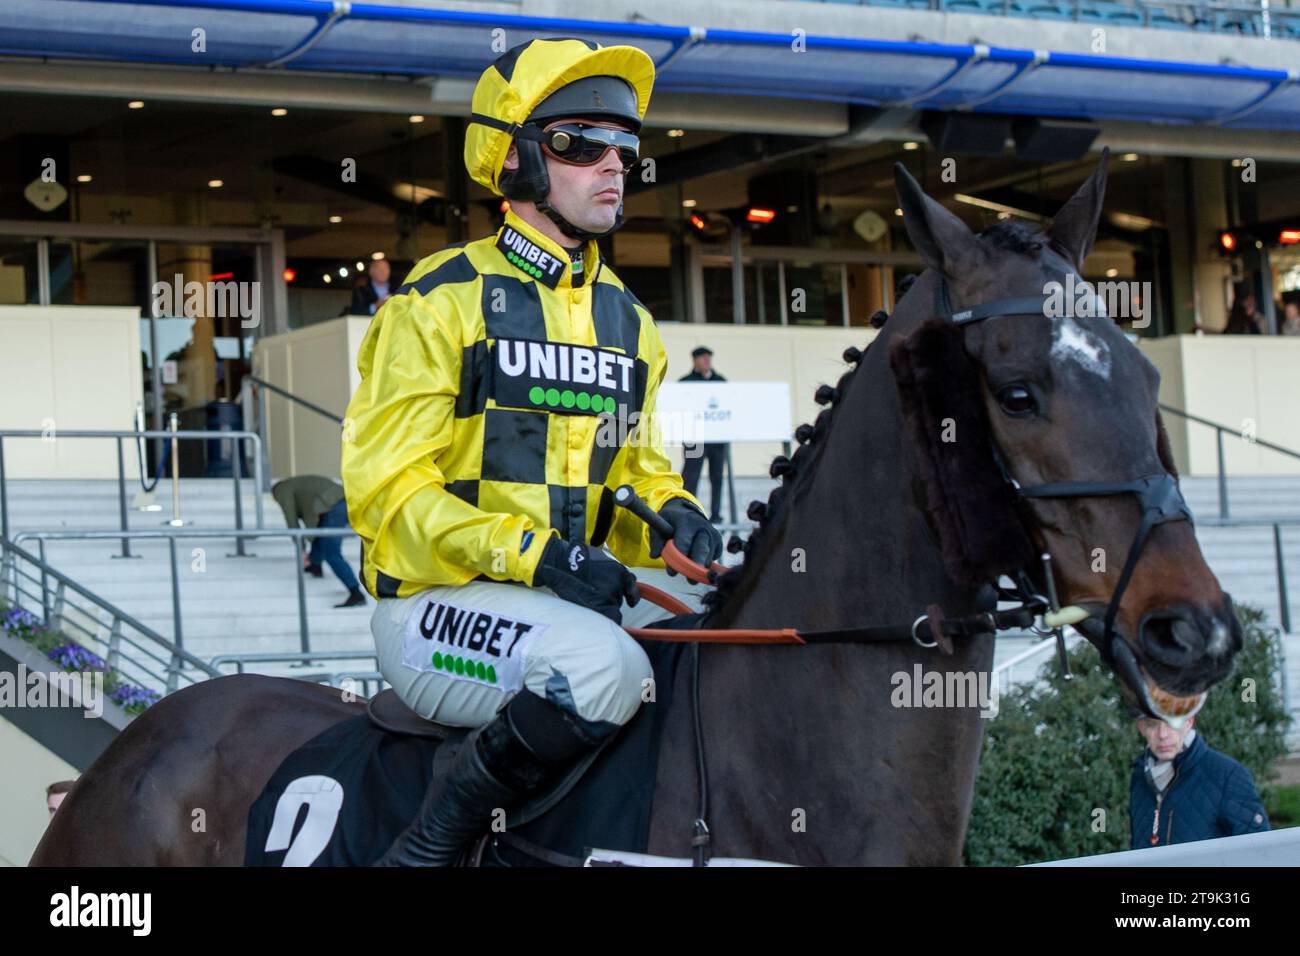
point(891, 510)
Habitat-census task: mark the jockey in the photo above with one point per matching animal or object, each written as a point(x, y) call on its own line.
point(482, 447)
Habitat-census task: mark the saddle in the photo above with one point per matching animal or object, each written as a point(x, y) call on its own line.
point(344, 796)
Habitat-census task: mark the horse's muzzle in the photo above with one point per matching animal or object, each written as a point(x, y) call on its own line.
point(1187, 649)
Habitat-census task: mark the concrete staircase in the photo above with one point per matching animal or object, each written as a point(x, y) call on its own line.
point(230, 605)
point(249, 605)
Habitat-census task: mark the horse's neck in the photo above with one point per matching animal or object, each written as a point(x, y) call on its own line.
point(816, 724)
point(853, 547)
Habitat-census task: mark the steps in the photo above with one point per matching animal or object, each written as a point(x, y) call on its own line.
point(229, 604)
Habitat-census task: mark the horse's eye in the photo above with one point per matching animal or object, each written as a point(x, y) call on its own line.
point(1016, 400)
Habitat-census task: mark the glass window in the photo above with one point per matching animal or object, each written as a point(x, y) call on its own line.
point(19, 279)
point(814, 293)
point(84, 272)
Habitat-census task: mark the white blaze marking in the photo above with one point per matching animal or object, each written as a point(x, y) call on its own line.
point(1071, 342)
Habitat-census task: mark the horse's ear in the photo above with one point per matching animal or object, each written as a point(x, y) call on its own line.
point(944, 241)
point(1074, 229)
point(969, 505)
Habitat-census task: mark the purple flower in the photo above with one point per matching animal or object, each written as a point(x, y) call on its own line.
point(129, 695)
point(73, 657)
point(18, 619)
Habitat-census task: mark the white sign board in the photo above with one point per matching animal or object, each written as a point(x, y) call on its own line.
point(723, 411)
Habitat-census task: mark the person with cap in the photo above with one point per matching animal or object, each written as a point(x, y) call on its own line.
point(1182, 789)
point(489, 431)
point(696, 453)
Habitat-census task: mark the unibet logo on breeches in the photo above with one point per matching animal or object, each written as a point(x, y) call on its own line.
point(468, 643)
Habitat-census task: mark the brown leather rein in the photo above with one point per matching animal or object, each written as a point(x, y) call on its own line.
point(700, 574)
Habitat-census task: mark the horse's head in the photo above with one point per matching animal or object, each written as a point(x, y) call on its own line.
point(1038, 432)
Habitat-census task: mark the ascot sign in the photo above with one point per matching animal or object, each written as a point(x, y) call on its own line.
point(688, 412)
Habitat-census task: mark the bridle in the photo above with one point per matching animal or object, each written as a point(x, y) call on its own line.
point(1158, 496)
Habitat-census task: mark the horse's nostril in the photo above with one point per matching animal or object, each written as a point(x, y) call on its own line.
point(1171, 639)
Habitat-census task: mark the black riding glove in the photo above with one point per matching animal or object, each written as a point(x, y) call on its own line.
point(587, 576)
point(693, 534)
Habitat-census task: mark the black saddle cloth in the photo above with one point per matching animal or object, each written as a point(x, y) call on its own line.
point(344, 796)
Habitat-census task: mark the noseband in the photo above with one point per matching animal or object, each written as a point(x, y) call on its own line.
point(1158, 496)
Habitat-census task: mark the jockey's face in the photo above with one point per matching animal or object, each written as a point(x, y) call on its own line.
point(587, 196)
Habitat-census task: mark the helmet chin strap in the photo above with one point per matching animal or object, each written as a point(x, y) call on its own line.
point(572, 231)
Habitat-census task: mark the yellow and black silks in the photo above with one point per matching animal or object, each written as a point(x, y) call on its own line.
point(495, 400)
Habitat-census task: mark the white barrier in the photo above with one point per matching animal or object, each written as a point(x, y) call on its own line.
point(1273, 848)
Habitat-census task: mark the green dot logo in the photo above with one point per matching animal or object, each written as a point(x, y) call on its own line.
point(567, 398)
point(480, 671)
point(610, 404)
point(537, 394)
point(437, 660)
point(460, 666)
point(491, 674)
point(552, 396)
point(582, 400)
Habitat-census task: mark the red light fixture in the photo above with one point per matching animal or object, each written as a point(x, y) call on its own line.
point(1289, 236)
point(289, 275)
point(1228, 241)
point(217, 277)
point(756, 214)
point(698, 222)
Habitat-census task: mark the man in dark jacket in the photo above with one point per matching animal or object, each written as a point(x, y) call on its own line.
point(317, 502)
point(1184, 790)
point(715, 452)
point(375, 291)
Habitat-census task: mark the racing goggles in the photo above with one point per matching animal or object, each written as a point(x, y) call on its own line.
point(582, 145)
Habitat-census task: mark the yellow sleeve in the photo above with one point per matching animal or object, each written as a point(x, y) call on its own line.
point(646, 468)
point(398, 422)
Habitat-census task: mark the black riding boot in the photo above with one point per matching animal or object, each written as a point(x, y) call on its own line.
point(528, 744)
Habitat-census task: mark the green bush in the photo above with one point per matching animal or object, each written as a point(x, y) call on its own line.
point(1059, 751)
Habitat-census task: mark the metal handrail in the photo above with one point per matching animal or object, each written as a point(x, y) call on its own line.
point(1039, 647)
point(294, 398)
point(333, 678)
point(171, 534)
point(119, 435)
point(176, 656)
point(1219, 430)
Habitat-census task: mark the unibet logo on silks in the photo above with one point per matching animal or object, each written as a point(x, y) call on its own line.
point(529, 257)
point(557, 377)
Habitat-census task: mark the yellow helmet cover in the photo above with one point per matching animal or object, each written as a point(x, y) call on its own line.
point(512, 87)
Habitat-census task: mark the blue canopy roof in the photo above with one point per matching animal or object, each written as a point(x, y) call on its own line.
point(320, 35)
